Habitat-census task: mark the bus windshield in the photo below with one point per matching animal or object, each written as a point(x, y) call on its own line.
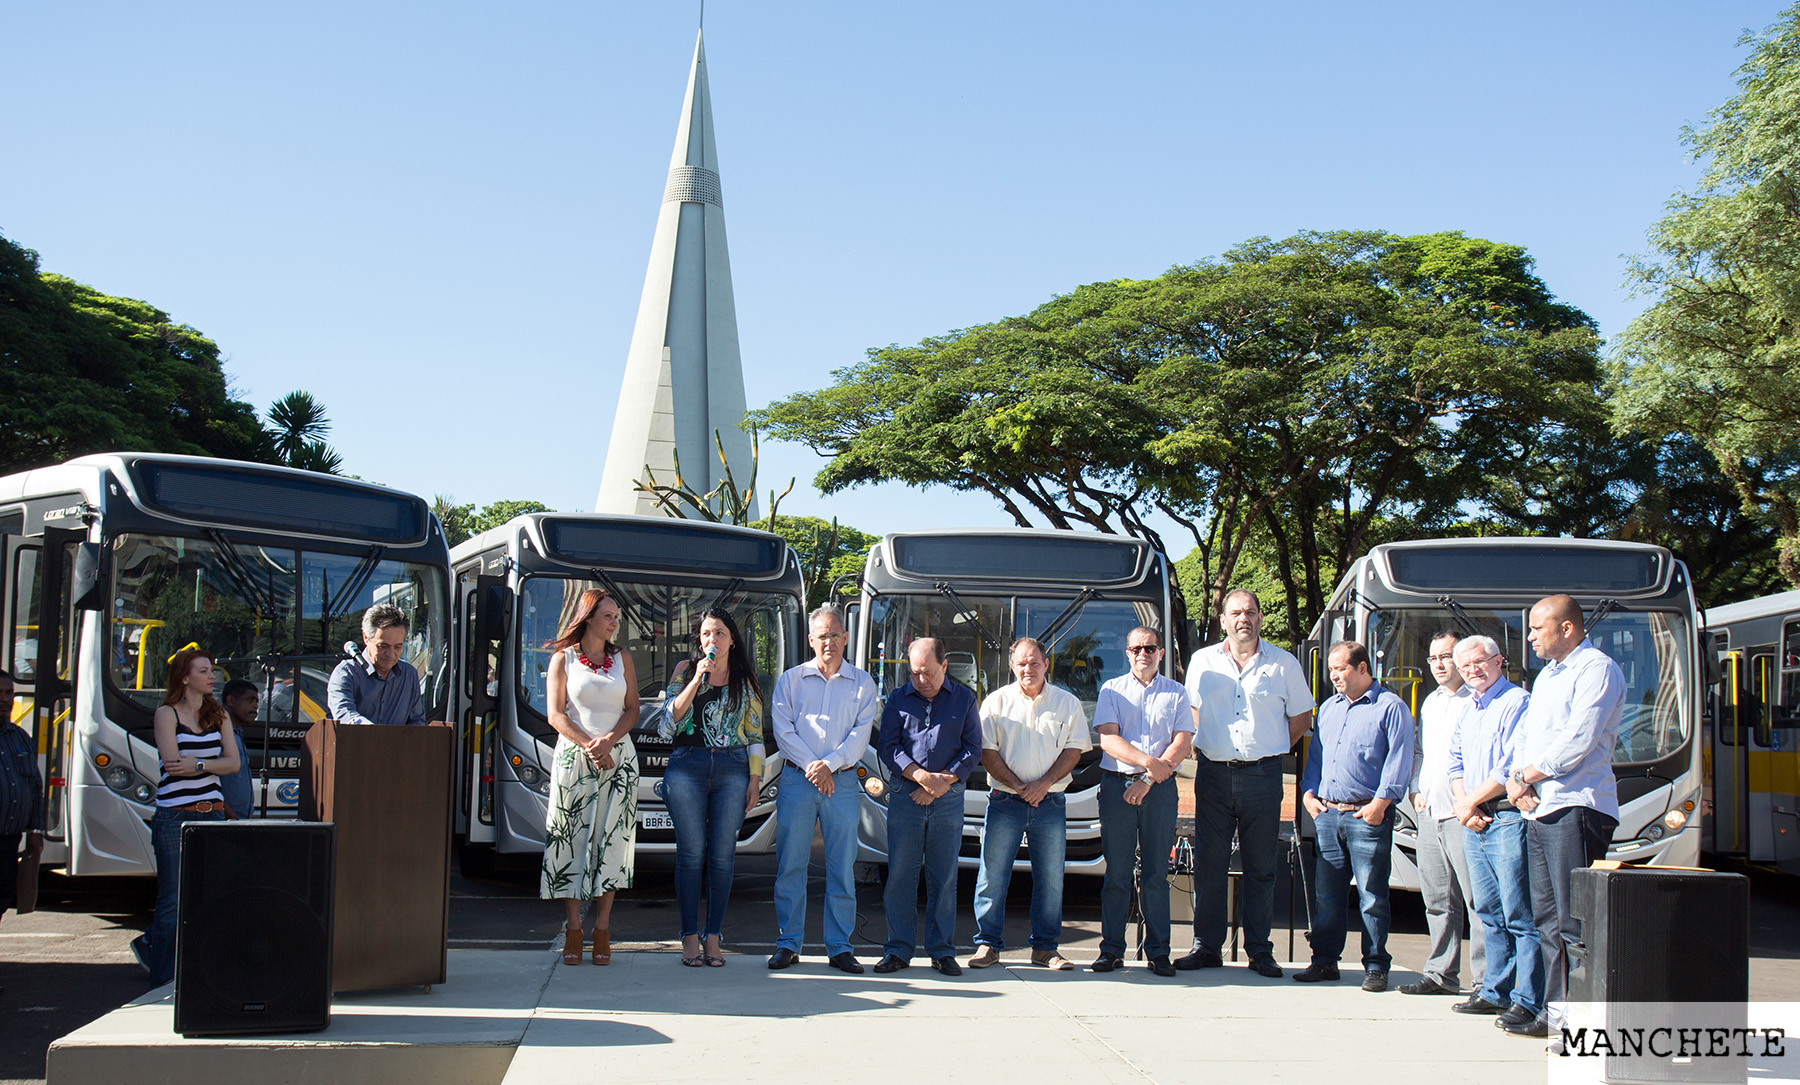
point(978, 630)
point(242, 602)
point(1647, 645)
point(660, 621)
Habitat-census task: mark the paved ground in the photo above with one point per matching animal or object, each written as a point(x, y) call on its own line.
point(69, 963)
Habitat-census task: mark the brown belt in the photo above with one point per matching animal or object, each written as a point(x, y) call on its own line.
point(201, 807)
point(1344, 807)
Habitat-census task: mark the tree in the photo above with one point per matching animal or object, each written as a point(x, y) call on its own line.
point(297, 426)
point(464, 522)
point(84, 372)
point(1321, 393)
point(1717, 356)
point(827, 551)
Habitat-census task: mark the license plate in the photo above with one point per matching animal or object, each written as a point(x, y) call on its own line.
point(656, 820)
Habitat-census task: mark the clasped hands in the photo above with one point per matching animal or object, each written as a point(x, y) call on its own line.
point(600, 750)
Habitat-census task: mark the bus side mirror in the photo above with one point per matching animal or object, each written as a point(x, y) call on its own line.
point(87, 578)
point(1710, 673)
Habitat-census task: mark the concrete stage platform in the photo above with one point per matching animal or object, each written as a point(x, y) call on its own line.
point(524, 1018)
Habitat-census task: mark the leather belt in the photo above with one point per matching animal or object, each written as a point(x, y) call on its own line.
point(201, 807)
point(1344, 807)
point(1247, 764)
point(1128, 776)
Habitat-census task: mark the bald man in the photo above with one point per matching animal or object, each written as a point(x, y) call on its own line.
point(1562, 781)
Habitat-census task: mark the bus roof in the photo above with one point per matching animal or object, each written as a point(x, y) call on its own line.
point(1780, 604)
point(1511, 565)
point(620, 540)
point(1009, 557)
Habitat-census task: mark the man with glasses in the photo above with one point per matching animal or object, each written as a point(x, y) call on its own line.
point(1251, 704)
point(1482, 751)
point(822, 714)
point(1146, 728)
point(930, 742)
point(1443, 870)
point(1032, 734)
point(378, 686)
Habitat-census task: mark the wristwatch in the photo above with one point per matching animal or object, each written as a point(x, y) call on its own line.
point(199, 765)
point(1518, 777)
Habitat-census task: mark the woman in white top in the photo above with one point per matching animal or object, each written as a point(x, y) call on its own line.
point(592, 827)
point(195, 741)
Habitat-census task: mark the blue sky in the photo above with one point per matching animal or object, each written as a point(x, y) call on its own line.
point(436, 217)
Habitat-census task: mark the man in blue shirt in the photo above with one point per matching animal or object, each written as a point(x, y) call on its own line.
point(1359, 765)
point(1482, 749)
point(930, 741)
point(1146, 728)
point(380, 687)
point(822, 713)
point(1562, 779)
point(21, 795)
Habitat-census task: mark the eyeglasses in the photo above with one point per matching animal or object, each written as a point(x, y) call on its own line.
point(1482, 662)
point(1144, 649)
point(1445, 658)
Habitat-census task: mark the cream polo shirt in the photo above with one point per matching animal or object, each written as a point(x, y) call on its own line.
point(1031, 732)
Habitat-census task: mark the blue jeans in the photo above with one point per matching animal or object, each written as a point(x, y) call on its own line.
point(1351, 846)
point(1560, 842)
point(1245, 799)
point(922, 839)
point(1136, 838)
point(1045, 827)
point(798, 807)
point(1502, 884)
point(156, 946)
point(705, 790)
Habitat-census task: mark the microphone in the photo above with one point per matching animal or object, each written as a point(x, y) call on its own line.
point(712, 653)
point(354, 651)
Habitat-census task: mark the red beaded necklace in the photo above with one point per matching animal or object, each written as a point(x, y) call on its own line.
point(605, 666)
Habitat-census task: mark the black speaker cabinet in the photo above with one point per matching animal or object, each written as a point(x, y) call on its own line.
point(253, 942)
point(1663, 953)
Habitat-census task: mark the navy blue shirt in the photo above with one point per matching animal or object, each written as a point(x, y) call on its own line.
point(939, 735)
point(22, 789)
point(1362, 749)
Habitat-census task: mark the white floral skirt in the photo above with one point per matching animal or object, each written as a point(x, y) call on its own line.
point(591, 835)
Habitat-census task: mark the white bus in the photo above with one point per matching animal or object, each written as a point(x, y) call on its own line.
point(515, 586)
point(1639, 607)
point(1080, 594)
point(115, 562)
point(1753, 732)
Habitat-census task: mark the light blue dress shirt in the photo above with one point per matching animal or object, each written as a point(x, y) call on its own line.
point(1569, 731)
point(1148, 717)
point(1362, 748)
point(1486, 736)
point(824, 719)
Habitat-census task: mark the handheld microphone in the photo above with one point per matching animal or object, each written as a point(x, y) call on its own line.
point(712, 653)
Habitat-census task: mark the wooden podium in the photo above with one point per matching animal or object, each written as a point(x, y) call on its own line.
point(388, 792)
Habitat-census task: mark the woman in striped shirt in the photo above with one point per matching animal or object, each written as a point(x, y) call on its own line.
point(195, 741)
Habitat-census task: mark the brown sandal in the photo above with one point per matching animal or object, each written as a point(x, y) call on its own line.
point(571, 945)
point(602, 947)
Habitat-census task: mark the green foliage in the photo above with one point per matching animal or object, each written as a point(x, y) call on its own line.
point(297, 426)
point(464, 522)
point(1717, 356)
point(827, 551)
point(724, 503)
point(83, 372)
point(1315, 395)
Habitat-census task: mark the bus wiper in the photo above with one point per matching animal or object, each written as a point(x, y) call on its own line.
point(1068, 616)
point(725, 593)
point(348, 590)
point(1462, 616)
point(1601, 610)
point(240, 573)
point(613, 589)
point(968, 612)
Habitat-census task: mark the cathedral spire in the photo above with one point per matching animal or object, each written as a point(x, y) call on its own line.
point(683, 378)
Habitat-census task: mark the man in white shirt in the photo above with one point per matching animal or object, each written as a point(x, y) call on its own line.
point(1443, 869)
point(1032, 734)
point(822, 714)
point(1251, 704)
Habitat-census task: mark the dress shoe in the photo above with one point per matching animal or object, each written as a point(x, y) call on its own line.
point(1106, 962)
point(1514, 1014)
point(1427, 986)
point(1477, 1004)
point(1049, 958)
point(1536, 1028)
point(1160, 965)
point(1375, 981)
point(1262, 964)
point(1317, 972)
point(985, 957)
point(1200, 958)
point(783, 958)
point(846, 962)
point(946, 966)
point(889, 963)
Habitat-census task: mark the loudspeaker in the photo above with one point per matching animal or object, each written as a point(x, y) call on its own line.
point(253, 941)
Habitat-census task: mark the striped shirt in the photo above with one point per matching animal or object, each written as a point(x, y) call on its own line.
point(183, 790)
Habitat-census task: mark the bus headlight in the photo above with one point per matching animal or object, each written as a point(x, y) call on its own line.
point(527, 771)
point(872, 784)
point(119, 777)
point(1677, 818)
point(767, 794)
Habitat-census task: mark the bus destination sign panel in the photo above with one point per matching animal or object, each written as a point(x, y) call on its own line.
point(1015, 557)
point(664, 544)
point(1527, 569)
point(281, 502)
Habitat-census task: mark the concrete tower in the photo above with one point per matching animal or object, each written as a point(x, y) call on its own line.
point(683, 376)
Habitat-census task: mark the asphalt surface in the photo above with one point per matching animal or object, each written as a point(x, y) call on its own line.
point(69, 963)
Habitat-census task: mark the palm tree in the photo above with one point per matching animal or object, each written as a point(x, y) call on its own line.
point(296, 420)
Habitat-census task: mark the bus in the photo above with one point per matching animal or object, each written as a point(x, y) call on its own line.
point(1080, 594)
point(516, 585)
point(1639, 606)
point(115, 562)
point(1753, 740)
